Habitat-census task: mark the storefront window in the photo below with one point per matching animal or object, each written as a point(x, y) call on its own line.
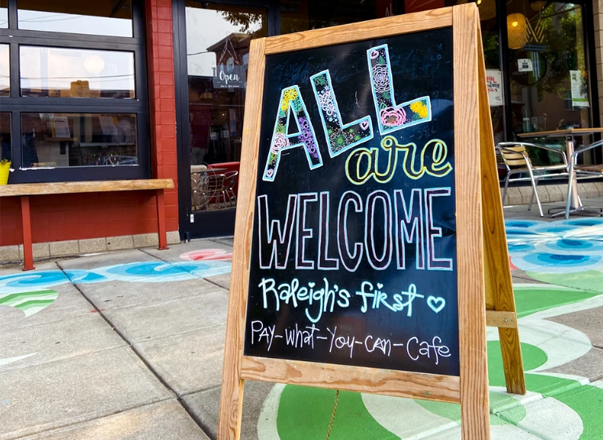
point(3, 14)
point(218, 41)
point(76, 73)
point(299, 16)
point(100, 17)
point(51, 140)
point(75, 135)
point(4, 70)
point(491, 43)
point(549, 78)
point(5, 139)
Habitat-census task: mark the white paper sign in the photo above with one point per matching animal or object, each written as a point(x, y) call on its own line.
point(108, 126)
point(525, 65)
point(494, 84)
point(579, 96)
point(61, 127)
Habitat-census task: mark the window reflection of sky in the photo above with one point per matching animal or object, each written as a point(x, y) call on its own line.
point(4, 69)
point(205, 27)
point(3, 18)
point(56, 68)
point(74, 23)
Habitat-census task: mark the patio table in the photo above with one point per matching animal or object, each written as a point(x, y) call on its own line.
point(574, 206)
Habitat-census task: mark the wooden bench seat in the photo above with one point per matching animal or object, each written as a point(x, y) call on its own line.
point(25, 190)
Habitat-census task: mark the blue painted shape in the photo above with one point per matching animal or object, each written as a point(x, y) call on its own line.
point(549, 259)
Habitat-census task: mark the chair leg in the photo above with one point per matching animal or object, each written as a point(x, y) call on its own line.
point(535, 193)
point(505, 190)
point(532, 198)
point(569, 191)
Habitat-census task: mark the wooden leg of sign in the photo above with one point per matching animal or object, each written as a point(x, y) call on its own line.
point(231, 398)
point(475, 411)
point(499, 287)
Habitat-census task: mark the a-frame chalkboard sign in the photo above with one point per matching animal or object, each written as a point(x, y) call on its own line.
point(370, 251)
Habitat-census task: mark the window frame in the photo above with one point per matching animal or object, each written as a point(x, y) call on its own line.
point(15, 104)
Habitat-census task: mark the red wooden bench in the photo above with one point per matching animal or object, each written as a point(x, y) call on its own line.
point(25, 190)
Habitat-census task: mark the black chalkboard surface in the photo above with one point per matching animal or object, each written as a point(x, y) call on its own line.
point(353, 258)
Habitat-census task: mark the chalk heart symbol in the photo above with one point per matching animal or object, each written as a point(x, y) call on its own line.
point(436, 303)
point(364, 125)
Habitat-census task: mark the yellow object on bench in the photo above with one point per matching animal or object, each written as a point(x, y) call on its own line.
point(4, 172)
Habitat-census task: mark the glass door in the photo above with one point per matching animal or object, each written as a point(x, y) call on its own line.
point(217, 39)
point(548, 68)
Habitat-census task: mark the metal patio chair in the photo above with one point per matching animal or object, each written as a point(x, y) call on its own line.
point(229, 184)
point(593, 170)
point(516, 159)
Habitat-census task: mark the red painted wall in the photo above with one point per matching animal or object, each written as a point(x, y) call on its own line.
point(80, 216)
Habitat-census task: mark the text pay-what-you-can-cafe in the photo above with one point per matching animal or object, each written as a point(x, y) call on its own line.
point(118, 90)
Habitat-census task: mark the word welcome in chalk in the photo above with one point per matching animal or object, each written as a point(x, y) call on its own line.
point(333, 340)
point(341, 137)
point(324, 297)
point(407, 218)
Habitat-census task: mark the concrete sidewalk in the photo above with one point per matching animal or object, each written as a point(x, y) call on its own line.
point(129, 345)
point(118, 345)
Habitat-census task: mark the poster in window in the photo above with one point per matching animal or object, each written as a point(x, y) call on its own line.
point(60, 127)
point(494, 84)
point(579, 95)
point(108, 126)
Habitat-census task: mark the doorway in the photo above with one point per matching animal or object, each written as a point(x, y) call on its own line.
point(212, 52)
point(211, 49)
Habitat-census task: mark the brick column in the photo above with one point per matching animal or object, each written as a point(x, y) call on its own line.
point(162, 101)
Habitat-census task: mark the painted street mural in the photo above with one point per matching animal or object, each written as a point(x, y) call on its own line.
point(558, 274)
point(30, 292)
point(561, 404)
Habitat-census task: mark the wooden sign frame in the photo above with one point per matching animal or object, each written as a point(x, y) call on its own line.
point(485, 295)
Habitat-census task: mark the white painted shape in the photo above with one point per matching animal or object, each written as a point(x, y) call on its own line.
point(598, 384)
point(540, 286)
point(404, 417)
point(529, 397)
point(552, 420)
point(267, 429)
point(10, 360)
point(559, 350)
point(497, 432)
point(562, 344)
point(492, 334)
